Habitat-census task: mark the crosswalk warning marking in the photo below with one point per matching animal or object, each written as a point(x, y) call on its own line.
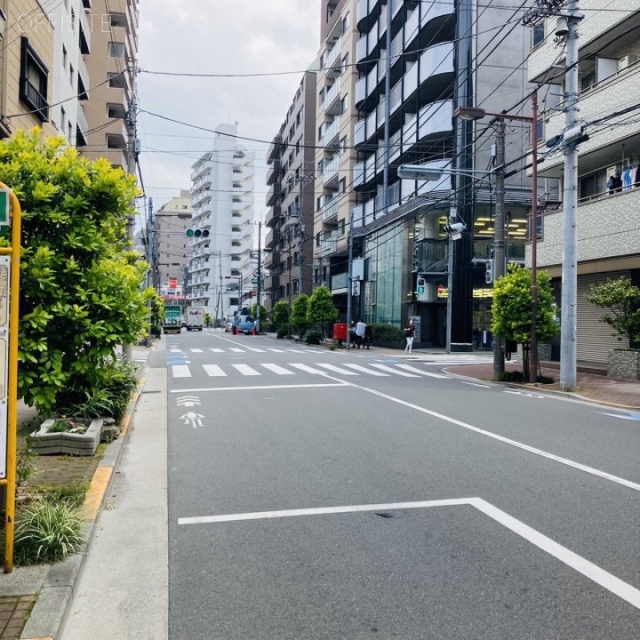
point(255, 349)
point(306, 368)
point(246, 370)
point(217, 350)
point(332, 367)
point(297, 351)
point(359, 367)
point(384, 367)
point(214, 370)
point(281, 371)
point(238, 350)
point(408, 367)
point(181, 371)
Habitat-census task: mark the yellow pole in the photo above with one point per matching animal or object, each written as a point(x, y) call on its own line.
point(12, 393)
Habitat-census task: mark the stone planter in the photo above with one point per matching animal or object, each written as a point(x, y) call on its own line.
point(72, 444)
point(624, 363)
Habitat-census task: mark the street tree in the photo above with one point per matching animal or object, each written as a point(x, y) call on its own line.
point(81, 290)
point(281, 317)
point(622, 299)
point(299, 319)
point(511, 310)
point(321, 309)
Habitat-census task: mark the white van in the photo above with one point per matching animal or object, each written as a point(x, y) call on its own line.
point(195, 318)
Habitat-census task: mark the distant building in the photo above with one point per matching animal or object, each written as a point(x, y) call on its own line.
point(291, 178)
point(608, 227)
point(223, 222)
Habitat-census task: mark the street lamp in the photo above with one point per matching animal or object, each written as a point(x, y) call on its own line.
point(475, 113)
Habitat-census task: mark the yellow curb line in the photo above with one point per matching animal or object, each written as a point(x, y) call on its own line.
point(97, 489)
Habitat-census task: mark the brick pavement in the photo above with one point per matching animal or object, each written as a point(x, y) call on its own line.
point(14, 611)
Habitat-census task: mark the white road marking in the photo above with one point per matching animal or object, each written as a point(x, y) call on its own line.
point(217, 350)
point(304, 367)
point(238, 350)
point(332, 367)
point(255, 349)
point(408, 367)
point(214, 370)
point(181, 371)
point(514, 443)
point(297, 351)
point(196, 350)
point(593, 572)
point(246, 370)
point(276, 350)
point(274, 387)
point(359, 367)
point(384, 367)
point(281, 371)
point(475, 384)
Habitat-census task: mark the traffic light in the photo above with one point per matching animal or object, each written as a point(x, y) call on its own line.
point(488, 274)
point(197, 233)
point(423, 290)
point(421, 285)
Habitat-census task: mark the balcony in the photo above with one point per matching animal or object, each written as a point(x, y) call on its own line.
point(434, 18)
point(332, 134)
point(333, 62)
point(330, 209)
point(436, 121)
point(436, 68)
point(82, 128)
point(329, 244)
point(275, 148)
point(359, 132)
point(330, 173)
point(275, 190)
point(361, 92)
point(273, 171)
point(332, 105)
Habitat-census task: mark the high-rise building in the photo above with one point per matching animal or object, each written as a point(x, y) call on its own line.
point(291, 179)
point(223, 226)
point(608, 231)
point(111, 66)
point(26, 67)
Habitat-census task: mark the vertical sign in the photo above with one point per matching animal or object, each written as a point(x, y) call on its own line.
point(416, 323)
point(5, 272)
point(5, 200)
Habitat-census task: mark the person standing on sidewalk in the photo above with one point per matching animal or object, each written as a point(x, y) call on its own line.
point(409, 334)
point(361, 329)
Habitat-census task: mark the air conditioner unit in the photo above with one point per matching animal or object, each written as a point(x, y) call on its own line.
point(623, 63)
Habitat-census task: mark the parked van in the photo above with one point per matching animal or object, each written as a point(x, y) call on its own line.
point(195, 318)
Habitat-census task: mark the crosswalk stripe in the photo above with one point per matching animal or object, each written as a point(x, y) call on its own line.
point(384, 367)
point(238, 350)
point(304, 367)
point(217, 350)
point(408, 367)
point(255, 349)
point(181, 371)
point(246, 370)
point(296, 351)
point(196, 350)
point(359, 367)
point(276, 350)
point(214, 370)
point(332, 367)
point(281, 371)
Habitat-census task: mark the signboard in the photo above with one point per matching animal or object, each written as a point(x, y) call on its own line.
point(5, 271)
point(5, 206)
point(173, 283)
point(416, 324)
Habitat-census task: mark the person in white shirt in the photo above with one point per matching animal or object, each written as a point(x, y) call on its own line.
point(361, 327)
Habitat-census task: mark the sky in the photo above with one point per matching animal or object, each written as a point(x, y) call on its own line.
point(216, 37)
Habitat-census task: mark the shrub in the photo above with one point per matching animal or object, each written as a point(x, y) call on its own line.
point(282, 333)
point(48, 531)
point(386, 333)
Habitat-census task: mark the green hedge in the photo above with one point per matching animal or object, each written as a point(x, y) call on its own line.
point(387, 335)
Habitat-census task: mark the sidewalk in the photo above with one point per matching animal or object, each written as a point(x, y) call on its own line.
point(41, 597)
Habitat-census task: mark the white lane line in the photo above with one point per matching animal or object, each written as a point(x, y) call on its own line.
point(217, 350)
point(306, 368)
point(408, 367)
point(384, 367)
point(297, 351)
point(276, 350)
point(181, 371)
point(593, 572)
point(358, 508)
point(314, 351)
point(255, 349)
point(246, 370)
point(514, 443)
point(281, 371)
point(359, 367)
point(214, 370)
point(475, 384)
point(270, 387)
point(332, 367)
point(196, 350)
point(238, 350)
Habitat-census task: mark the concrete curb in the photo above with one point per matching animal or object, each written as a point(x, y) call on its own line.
point(53, 605)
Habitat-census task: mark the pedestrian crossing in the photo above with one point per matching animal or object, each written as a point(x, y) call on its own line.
point(293, 368)
point(245, 350)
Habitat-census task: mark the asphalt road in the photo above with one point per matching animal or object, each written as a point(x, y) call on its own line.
point(325, 495)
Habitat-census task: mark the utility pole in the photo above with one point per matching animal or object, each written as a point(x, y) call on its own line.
point(569, 303)
point(259, 275)
point(131, 169)
point(289, 264)
point(387, 119)
point(498, 240)
point(533, 346)
point(350, 279)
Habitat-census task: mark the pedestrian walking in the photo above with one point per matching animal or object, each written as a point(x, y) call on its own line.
point(409, 334)
point(361, 329)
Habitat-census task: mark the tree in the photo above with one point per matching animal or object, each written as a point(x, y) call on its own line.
point(299, 318)
point(264, 315)
point(321, 309)
point(622, 299)
point(281, 316)
point(81, 288)
point(511, 309)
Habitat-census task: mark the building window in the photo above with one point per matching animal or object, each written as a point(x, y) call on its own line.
point(116, 81)
point(33, 81)
point(116, 49)
point(538, 33)
point(118, 20)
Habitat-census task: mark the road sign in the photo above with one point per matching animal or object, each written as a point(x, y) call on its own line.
point(254, 280)
point(5, 207)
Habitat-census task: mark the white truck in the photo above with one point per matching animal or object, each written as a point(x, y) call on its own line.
point(195, 318)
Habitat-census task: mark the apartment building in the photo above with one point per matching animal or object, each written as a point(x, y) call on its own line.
point(608, 227)
point(290, 218)
point(223, 225)
point(169, 244)
point(111, 67)
point(72, 26)
point(26, 67)
point(417, 62)
point(335, 155)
